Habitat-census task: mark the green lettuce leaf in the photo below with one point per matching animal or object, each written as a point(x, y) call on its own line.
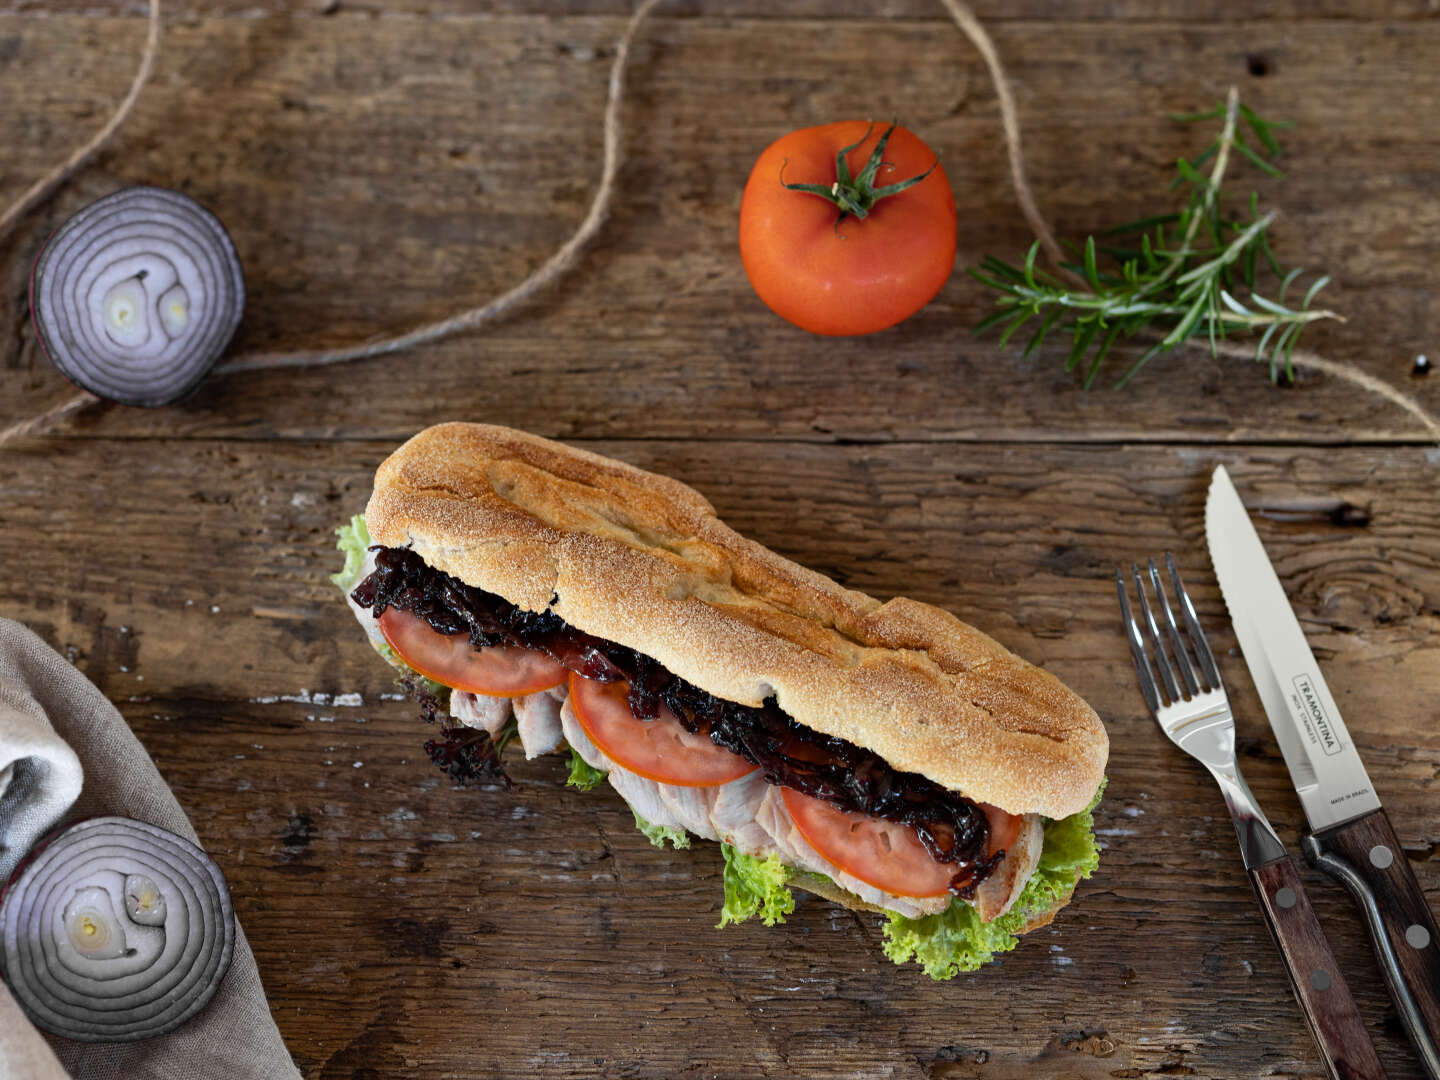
point(955, 940)
point(583, 775)
point(755, 885)
point(658, 834)
point(353, 540)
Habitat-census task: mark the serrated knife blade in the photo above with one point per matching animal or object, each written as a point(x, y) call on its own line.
point(1351, 837)
point(1324, 765)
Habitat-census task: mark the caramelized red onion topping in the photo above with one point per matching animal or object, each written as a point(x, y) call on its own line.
point(115, 930)
point(952, 828)
point(136, 296)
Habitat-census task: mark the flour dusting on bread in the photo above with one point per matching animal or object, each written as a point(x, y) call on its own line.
point(642, 560)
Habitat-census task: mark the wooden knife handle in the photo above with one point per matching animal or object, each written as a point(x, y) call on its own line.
point(1324, 997)
point(1365, 856)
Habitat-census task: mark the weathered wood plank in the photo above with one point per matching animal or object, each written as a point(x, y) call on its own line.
point(373, 180)
point(406, 928)
point(992, 11)
point(378, 170)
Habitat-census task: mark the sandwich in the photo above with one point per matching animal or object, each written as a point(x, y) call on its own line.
point(883, 756)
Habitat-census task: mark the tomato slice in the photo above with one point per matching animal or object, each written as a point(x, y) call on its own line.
point(885, 854)
point(496, 671)
point(882, 853)
point(1004, 828)
point(659, 749)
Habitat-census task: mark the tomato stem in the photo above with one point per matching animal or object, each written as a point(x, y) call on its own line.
point(856, 196)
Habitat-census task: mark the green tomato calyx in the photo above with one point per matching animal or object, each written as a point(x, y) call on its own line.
point(856, 196)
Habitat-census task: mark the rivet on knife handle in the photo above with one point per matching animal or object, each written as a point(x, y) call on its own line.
point(1365, 856)
point(1319, 987)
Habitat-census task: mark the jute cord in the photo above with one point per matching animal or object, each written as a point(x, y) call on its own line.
point(565, 258)
point(62, 172)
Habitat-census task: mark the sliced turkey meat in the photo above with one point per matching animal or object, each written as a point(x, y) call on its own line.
point(644, 797)
point(480, 711)
point(997, 893)
point(367, 620)
point(575, 735)
point(691, 807)
point(537, 716)
point(734, 808)
point(748, 813)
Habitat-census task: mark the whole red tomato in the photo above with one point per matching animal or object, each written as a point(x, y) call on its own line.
point(837, 249)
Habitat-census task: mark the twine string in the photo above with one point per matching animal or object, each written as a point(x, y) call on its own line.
point(553, 267)
point(566, 256)
point(67, 168)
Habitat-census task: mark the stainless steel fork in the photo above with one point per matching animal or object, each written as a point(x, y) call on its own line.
point(1194, 711)
point(1196, 717)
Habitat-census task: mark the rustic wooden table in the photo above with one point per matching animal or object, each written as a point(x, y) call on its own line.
point(380, 168)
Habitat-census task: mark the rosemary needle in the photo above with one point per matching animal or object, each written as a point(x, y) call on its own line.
point(1183, 275)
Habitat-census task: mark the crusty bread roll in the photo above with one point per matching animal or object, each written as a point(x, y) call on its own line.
point(642, 560)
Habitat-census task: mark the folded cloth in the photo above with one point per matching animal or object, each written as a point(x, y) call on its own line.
point(54, 723)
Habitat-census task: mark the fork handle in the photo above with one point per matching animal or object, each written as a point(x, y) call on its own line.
point(1330, 1010)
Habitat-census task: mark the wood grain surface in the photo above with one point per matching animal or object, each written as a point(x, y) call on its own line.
point(383, 167)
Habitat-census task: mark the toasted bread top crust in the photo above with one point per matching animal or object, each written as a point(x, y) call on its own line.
point(642, 560)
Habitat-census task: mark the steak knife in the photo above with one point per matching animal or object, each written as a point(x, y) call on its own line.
point(1350, 836)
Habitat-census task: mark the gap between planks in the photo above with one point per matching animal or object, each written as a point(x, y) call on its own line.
point(1130, 441)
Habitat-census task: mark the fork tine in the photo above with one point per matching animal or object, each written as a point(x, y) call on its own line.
point(1182, 658)
point(1192, 625)
point(1137, 648)
point(1167, 673)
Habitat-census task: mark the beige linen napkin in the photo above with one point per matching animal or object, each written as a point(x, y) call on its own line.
point(53, 724)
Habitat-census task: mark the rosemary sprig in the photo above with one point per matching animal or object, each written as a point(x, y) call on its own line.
point(1187, 274)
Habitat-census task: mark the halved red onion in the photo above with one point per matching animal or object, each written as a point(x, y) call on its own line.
point(136, 296)
point(115, 930)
